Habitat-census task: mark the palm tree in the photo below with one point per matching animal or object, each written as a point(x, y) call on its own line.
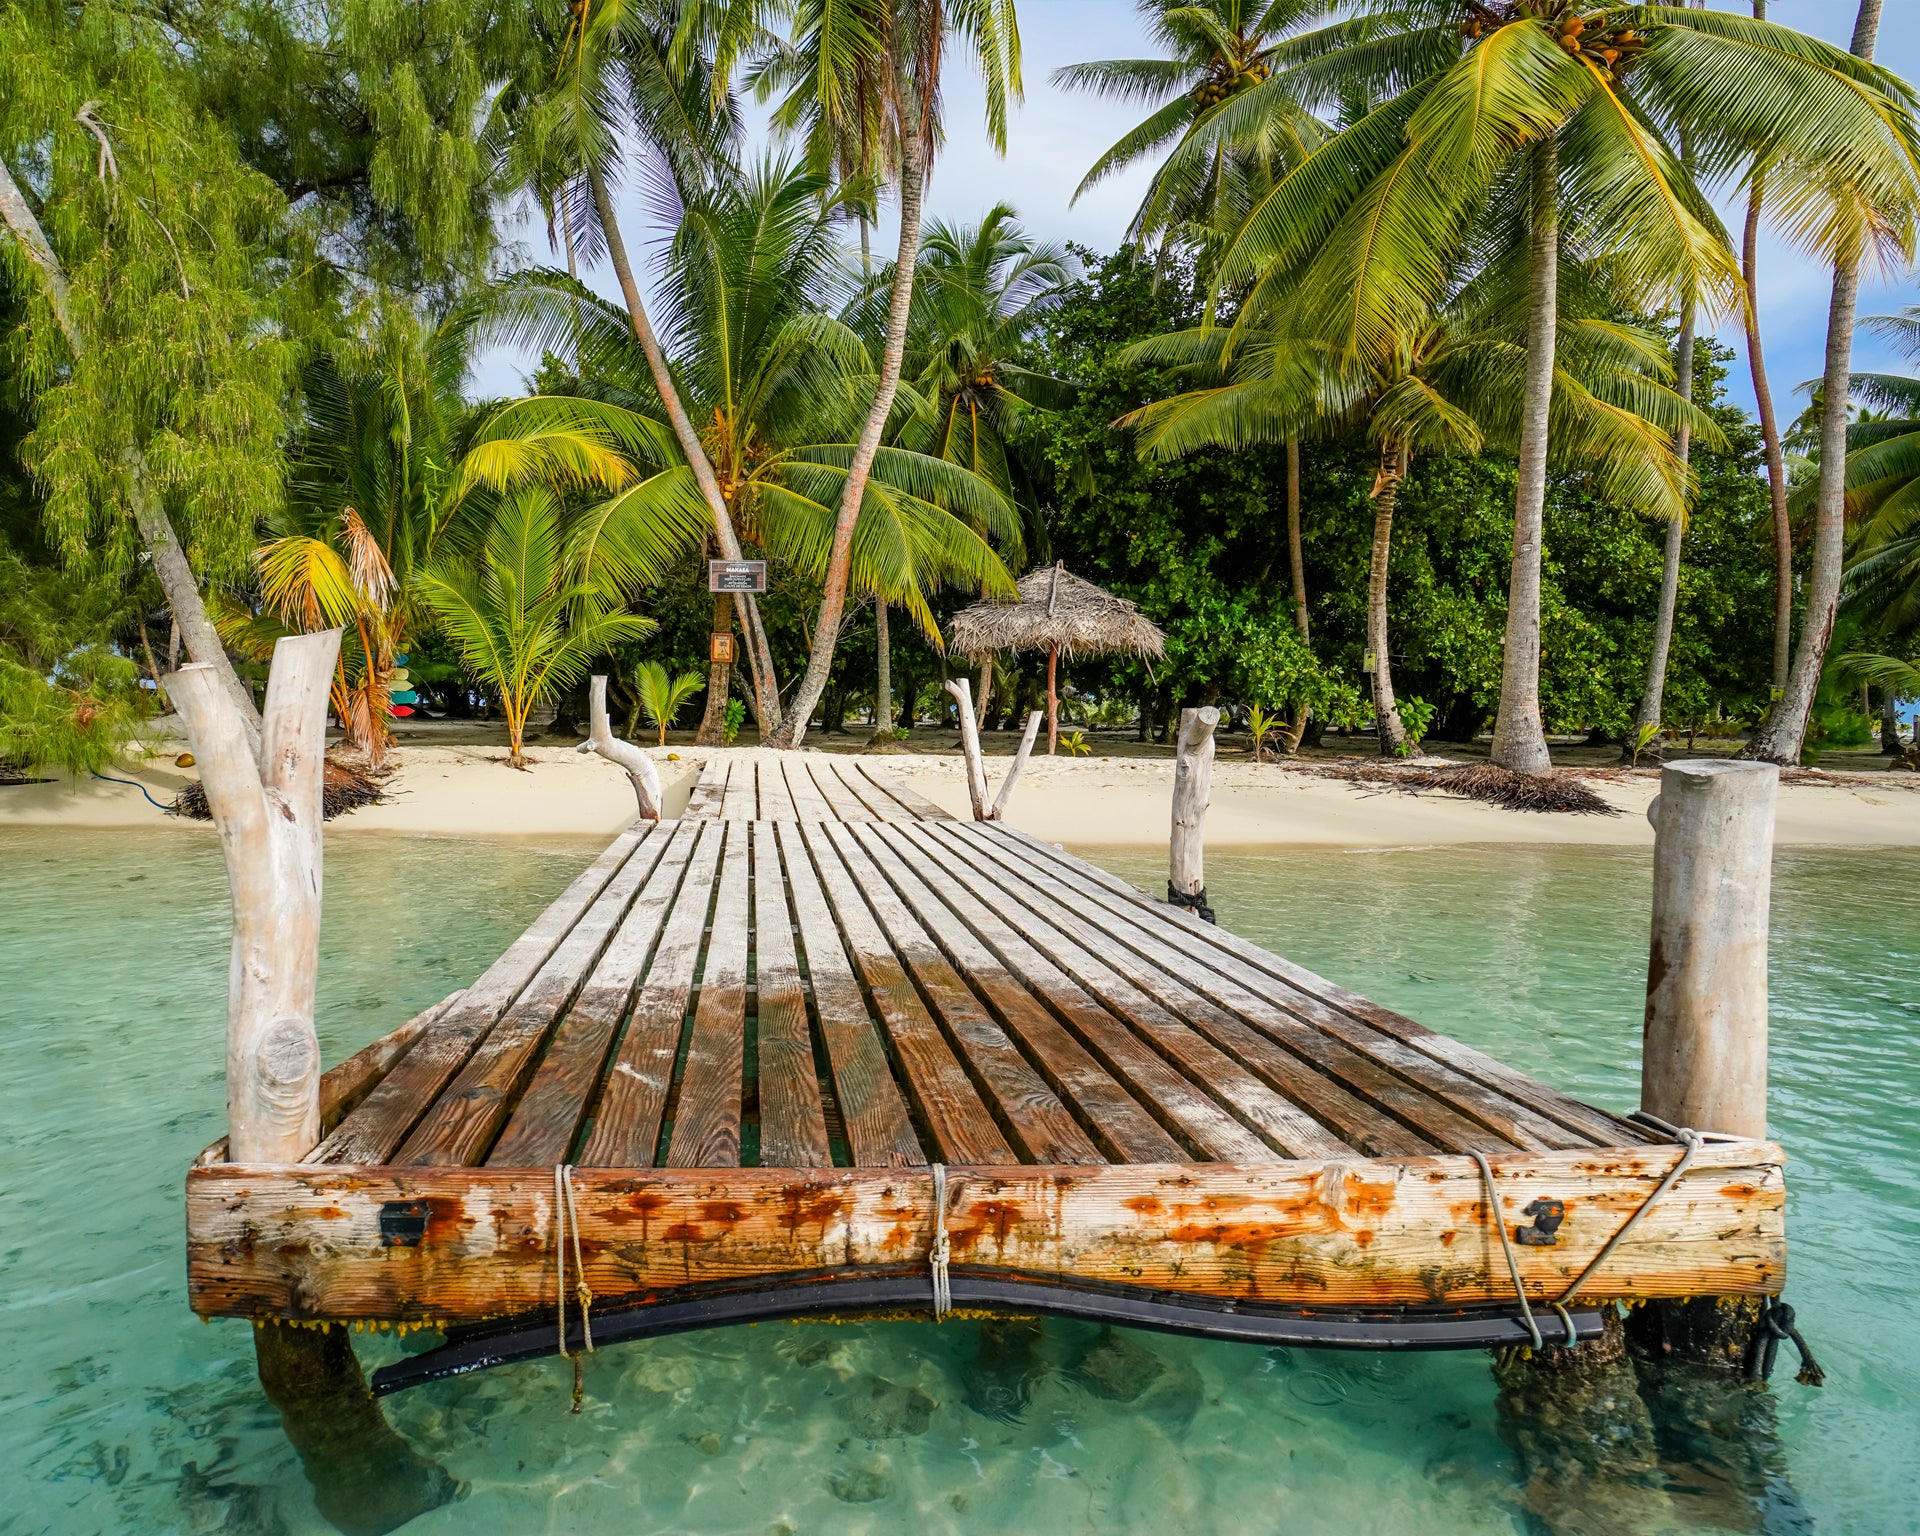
point(1523, 125)
point(524, 618)
point(862, 67)
point(660, 696)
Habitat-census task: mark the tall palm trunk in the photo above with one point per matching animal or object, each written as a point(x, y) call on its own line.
point(883, 676)
point(766, 689)
point(170, 565)
point(826, 630)
point(713, 721)
point(1769, 426)
point(1519, 738)
point(1386, 495)
point(1653, 697)
point(1780, 736)
point(1297, 574)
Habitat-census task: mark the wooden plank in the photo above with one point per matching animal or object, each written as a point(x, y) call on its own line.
point(845, 804)
point(808, 803)
point(871, 793)
point(879, 1131)
point(1333, 1040)
point(389, 1112)
point(1605, 1129)
point(543, 1125)
point(343, 1086)
point(709, 792)
point(306, 1241)
point(1224, 1056)
point(1042, 1128)
point(1124, 1129)
point(706, 1115)
point(742, 802)
point(464, 1120)
point(1175, 1102)
point(776, 800)
point(919, 807)
point(793, 1127)
point(947, 1105)
point(626, 1123)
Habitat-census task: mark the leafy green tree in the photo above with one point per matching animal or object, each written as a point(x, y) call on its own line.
point(525, 622)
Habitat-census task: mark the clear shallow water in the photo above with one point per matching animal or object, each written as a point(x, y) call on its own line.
point(120, 1412)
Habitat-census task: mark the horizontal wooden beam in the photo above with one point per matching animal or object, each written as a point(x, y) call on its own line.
point(466, 1244)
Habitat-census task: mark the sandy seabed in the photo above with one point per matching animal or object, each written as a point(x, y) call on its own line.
point(1084, 802)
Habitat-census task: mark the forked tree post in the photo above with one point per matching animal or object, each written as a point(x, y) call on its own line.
point(1192, 788)
point(962, 692)
point(1703, 1061)
point(640, 768)
point(268, 810)
point(1000, 800)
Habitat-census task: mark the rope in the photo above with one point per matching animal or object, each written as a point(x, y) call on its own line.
point(1196, 903)
point(566, 1221)
point(136, 785)
point(942, 1250)
point(1776, 1323)
point(1513, 1264)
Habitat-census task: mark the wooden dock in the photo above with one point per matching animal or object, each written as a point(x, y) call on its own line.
point(767, 1031)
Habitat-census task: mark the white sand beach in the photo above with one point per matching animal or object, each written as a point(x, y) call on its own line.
point(1081, 802)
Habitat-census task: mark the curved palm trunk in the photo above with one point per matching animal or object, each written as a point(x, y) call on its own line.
point(826, 630)
point(1653, 697)
point(1780, 737)
point(1297, 573)
point(766, 689)
point(1519, 739)
point(883, 675)
point(1386, 714)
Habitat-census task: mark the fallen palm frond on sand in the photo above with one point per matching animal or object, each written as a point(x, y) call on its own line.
point(1559, 792)
point(346, 789)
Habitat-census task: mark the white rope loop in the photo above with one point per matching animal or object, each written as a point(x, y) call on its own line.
point(942, 1250)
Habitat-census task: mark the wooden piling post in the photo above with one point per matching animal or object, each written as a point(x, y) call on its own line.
point(962, 692)
point(1703, 1057)
point(1013, 774)
point(1192, 788)
point(640, 767)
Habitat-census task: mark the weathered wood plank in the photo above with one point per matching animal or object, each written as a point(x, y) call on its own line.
point(706, 1115)
point(306, 1241)
point(1335, 1042)
point(1605, 1129)
point(917, 804)
point(808, 803)
point(626, 1123)
point(709, 792)
point(742, 802)
point(1243, 1071)
point(793, 1127)
point(1125, 1131)
point(1042, 1127)
point(776, 800)
point(872, 793)
point(1179, 1105)
point(343, 1086)
point(879, 1130)
point(372, 1132)
point(948, 1106)
point(845, 804)
point(545, 1122)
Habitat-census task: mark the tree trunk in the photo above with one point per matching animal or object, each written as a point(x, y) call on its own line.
point(1519, 739)
point(1386, 714)
point(826, 631)
point(1653, 696)
point(1780, 736)
point(713, 722)
point(689, 440)
point(1053, 700)
point(883, 664)
point(1890, 742)
point(1297, 573)
point(641, 772)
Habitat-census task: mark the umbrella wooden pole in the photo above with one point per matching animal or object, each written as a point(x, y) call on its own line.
point(1053, 700)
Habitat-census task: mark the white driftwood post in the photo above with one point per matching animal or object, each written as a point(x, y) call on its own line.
point(640, 767)
point(268, 812)
point(1192, 788)
point(1703, 1058)
point(962, 691)
point(1019, 762)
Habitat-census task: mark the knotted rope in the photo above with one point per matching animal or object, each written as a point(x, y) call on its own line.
point(942, 1250)
point(566, 1221)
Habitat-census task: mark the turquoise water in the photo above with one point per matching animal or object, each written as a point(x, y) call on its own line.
point(121, 1412)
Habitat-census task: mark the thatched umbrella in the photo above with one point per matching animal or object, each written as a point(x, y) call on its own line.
point(1062, 615)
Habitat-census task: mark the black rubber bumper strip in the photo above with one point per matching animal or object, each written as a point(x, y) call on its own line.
point(533, 1337)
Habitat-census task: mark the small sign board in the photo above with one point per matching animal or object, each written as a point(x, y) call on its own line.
point(722, 648)
point(736, 575)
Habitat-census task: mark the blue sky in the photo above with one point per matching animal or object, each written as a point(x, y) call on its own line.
point(1056, 135)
